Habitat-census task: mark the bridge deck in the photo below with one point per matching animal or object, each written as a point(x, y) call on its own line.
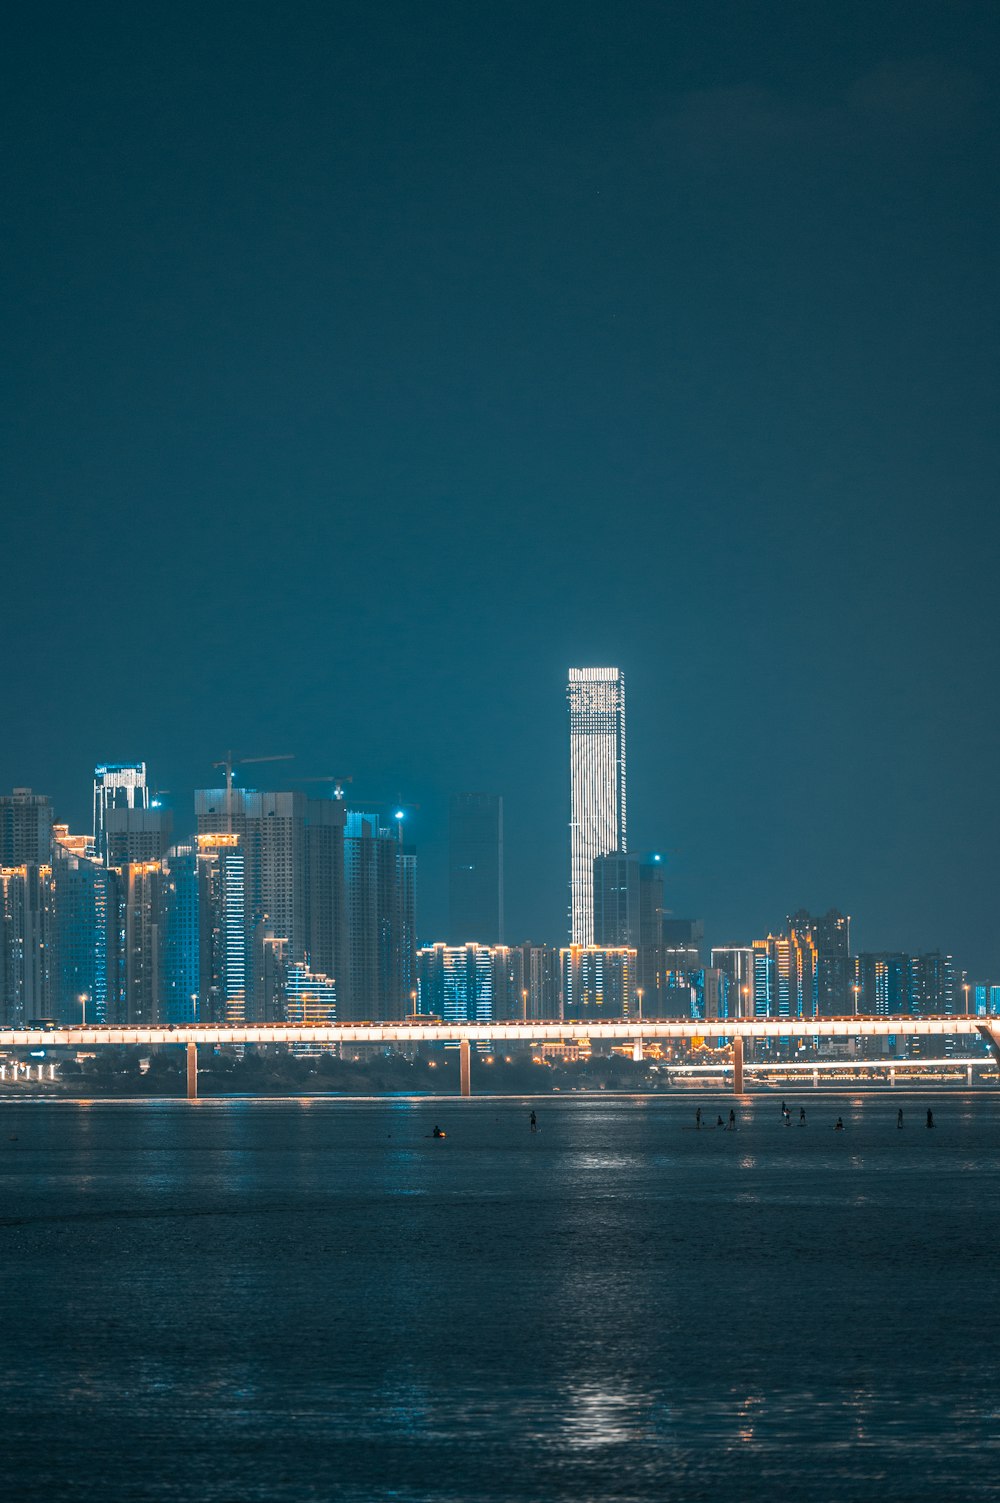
point(534, 1031)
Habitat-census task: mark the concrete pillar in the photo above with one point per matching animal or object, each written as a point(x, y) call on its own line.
point(465, 1067)
point(892, 1075)
point(968, 1074)
point(738, 1064)
point(637, 1053)
point(192, 1072)
point(989, 1035)
point(815, 1079)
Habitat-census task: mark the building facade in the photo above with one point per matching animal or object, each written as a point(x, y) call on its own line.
point(117, 785)
point(596, 698)
point(25, 828)
point(598, 982)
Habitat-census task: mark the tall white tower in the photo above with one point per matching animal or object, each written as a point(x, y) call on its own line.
point(597, 784)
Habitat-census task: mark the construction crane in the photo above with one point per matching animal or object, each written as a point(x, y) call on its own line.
point(229, 762)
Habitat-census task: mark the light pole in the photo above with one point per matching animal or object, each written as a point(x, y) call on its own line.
point(83, 1000)
point(524, 1003)
point(413, 1004)
point(746, 1000)
point(965, 988)
point(855, 989)
point(638, 998)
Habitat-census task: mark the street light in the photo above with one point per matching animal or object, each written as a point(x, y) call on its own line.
point(83, 999)
point(746, 1000)
point(413, 1003)
point(638, 996)
point(855, 989)
point(965, 988)
point(524, 1003)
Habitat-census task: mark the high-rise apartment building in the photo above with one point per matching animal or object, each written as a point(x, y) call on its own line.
point(27, 952)
point(135, 834)
point(598, 982)
point(475, 868)
point(85, 900)
point(310, 999)
point(736, 963)
point(894, 984)
point(180, 940)
point(470, 983)
point(25, 828)
point(830, 938)
point(224, 947)
point(272, 840)
point(326, 895)
point(540, 980)
point(117, 785)
point(374, 984)
point(596, 699)
point(140, 898)
point(805, 972)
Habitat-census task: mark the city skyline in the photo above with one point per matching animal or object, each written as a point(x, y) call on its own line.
point(131, 824)
point(678, 385)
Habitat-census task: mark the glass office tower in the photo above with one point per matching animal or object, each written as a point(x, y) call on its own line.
point(597, 784)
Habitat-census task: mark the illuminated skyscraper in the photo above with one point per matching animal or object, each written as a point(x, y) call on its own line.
point(223, 935)
point(597, 784)
point(180, 946)
point(117, 785)
point(470, 983)
point(26, 948)
point(598, 981)
point(86, 936)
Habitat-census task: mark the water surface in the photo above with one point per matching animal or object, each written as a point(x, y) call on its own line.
point(312, 1299)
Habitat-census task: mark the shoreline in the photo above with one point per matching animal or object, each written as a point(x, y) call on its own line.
point(847, 1088)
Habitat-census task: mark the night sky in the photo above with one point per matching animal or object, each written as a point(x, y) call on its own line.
point(369, 364)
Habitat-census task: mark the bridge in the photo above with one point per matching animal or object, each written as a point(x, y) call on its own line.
point(734, 1033)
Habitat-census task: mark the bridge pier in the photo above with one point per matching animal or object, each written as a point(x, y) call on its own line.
point(738, 1064)
point(465, 1067)
point(192, 1072)
point(988, 1033)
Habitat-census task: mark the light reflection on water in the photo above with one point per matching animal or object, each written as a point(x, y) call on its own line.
point(260, 1301)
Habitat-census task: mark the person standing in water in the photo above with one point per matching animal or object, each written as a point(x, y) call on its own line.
point(534, 1122)
point(839, 1126)
point(930, 1117)
point(697, 1118)
point(899, 1118)
point(802, 1116)
point(732, 1120)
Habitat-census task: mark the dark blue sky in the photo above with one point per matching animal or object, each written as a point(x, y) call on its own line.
point(369, 364)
